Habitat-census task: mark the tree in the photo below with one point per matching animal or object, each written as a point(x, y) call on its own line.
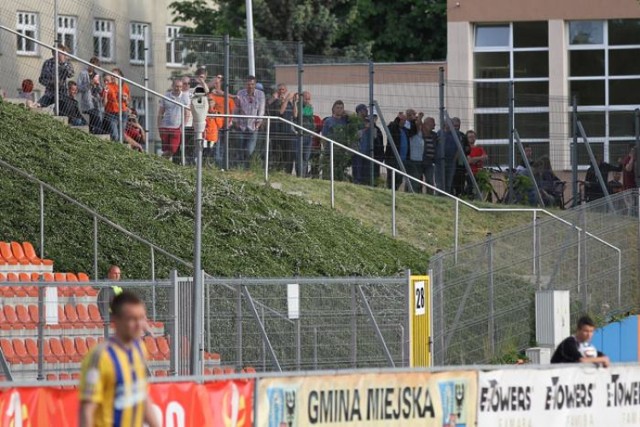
point(400, 30)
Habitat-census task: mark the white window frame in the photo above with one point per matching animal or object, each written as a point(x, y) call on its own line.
point(22, 27)
point(138, 32)
point(102, 35)
point(505, 110)
point(607, 108)
point(172, 33)
point(68, 26)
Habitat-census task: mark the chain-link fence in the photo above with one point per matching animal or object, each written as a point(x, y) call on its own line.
point(484, 297)
point(340, 323)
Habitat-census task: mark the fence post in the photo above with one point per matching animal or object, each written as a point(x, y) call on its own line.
point(183, 124)
point(393, 202)
point(406, 346)
point(456, 228)
point(438, 307)
point(95, 248)
point(402, 347)
point(574, 151)
point(266, 150)
point(300, 159)
point(41, 197)
point(175, 320)
point(56, 41)
point(511, 141)
point(153, 283)
point(239, 361)
point(147, 113)
point(41, 321)
point(315, 348)
point(535, 247)
point(354, 327)
point(264, 347)
point(637, 139)
point(331, 173)
point(372, 127)
point(120, 105)
point(585, 263)
point(298, 345)
point(439, 166)
point(226, 100)
point(492, 338)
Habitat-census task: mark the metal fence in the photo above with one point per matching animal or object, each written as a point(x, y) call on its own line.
point(484, 297)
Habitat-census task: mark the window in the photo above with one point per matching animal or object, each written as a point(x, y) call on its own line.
point(67, 32)
point(103, 39)
point(604, 75)
point(27, 24)
point(175, 49)
point(138, 38)
point(517, 52)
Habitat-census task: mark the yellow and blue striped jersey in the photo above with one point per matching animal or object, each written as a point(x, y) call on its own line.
point(115, 378)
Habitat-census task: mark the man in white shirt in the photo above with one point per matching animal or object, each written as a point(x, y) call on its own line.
point(249, 102)
point(170, 117)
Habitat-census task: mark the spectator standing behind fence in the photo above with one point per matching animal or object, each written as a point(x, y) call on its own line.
point(400, 135)
point(126, 94)
point(282, 139)
point(48, 75)
point(309, 124)
point(430, 139)
point(330, 125)
point(170, 117)
point(69, 105)
point(460, 179)
point(215, 126)
point(112, 106)
point(249, 102)
point(528, 152)
point(550, 186)
point(454, 180)
point(89, 90)
point(629, 171)
point(415, 165)
point(361, 168)
point(615, 185)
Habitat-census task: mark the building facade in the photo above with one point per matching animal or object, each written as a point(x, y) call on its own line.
point(551, 51)
point(116, 31)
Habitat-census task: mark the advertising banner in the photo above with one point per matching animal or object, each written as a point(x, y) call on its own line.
point(216, 404)
point(581, 396)
point(385, 399)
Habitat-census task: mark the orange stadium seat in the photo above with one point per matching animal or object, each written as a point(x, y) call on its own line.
point(52, 377)
point(249, 370)
point(163, 346)
point(32, 347)
point(152, 348)
point(34, 314)
point(11, 317)
point(94, 314)
point(24, 277)
point(57, 350)
point(48, 277)
point(91, 342)
point(83, 316)
point(31, 255)
point(72, 316)
point(229, 371)
point(23, 316)
point(83, 278)
point(35, 277)
point(48, 356)
point(64, 376)
point(18, 291)
point(75, 376)
point(4, 324)
point(18, 253)
point(208, 371)
point(70, 349)
point(81, 346)
point(5, 251)
point(62, 319)
point(160, 373)
point(218, 371)
point(7, 349)
point(21, 351)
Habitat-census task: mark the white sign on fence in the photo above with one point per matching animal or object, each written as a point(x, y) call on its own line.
point(560, 397)
point(293, 301)
point(420, 298)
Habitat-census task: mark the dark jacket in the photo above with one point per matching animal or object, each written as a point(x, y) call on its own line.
point(48, 75)
point(394, 130)
point(430, 147)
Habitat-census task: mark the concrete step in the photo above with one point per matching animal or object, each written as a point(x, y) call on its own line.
point(62, 119)
point(84, 129)
point(104, 136)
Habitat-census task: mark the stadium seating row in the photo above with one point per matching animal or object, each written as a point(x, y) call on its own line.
point(21, 256)
point(32, 291)
point(21, 316)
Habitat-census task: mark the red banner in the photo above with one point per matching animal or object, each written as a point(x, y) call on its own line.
point(215, 404)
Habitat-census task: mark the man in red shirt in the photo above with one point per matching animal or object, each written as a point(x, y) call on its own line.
point(629, 169)
point(477, 156)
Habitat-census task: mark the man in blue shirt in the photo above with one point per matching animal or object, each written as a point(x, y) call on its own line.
point(401, 129)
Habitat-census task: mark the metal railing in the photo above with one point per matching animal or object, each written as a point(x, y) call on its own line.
point(484, 297)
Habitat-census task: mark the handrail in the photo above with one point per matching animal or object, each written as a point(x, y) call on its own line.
point(104, 70)
point(431, 187)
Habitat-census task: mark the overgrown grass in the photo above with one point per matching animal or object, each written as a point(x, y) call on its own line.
point(426, 222)
point(249, 229)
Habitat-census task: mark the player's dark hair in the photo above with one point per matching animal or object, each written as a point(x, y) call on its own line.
point(585, 321)
point(122, 299)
